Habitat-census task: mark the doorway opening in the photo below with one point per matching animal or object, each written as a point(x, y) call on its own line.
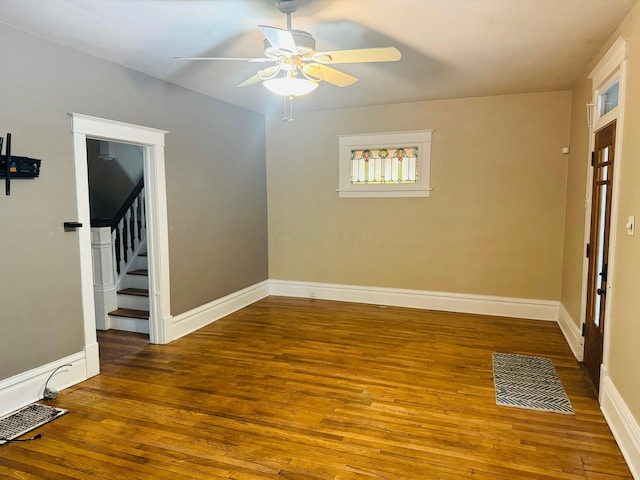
point(151, 142)
point(118, 235)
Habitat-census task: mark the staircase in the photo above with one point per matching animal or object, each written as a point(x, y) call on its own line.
point(132, 314)
point(120, 264)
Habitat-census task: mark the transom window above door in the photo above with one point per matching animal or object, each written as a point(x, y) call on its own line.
point(608, 100)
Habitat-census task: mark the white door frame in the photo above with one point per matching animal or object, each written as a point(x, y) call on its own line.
point(152, 142)
point(612, 67)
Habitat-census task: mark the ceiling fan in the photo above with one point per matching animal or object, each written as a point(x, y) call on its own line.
point(299, 68)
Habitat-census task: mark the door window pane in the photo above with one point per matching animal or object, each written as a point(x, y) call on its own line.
point(600, 284)
point(609, 99)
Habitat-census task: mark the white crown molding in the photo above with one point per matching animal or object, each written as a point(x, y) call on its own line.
point(571, 332)
point(27, 387)
point(450, 302)
point(199, 317)
point(623, 425)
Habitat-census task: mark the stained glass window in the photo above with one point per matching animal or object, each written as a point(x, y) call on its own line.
point(384, 165)
point(390, 164)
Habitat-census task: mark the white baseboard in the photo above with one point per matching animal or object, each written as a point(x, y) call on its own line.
point(571, 332)
point(450, 302)
point(197, 318)
point(92, 359)
point(623, 425)
point(27, 387)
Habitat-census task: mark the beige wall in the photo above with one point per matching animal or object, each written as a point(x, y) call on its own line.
point(624, 326)
point(216, 189)
point(493, 224)
point(578, 161)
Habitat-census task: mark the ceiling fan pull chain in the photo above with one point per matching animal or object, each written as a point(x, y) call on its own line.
point(291, 109)
point(284, 109)
point(285, 117)
point(288, 116)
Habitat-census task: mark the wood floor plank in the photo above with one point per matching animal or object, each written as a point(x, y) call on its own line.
point(307, 389)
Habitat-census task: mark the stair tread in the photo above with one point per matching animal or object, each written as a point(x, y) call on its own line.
point(138, 292)
point(142, 254)
point(131, 313)
point(140, 271)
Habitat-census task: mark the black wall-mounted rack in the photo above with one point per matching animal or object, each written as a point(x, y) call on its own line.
point(16, 167)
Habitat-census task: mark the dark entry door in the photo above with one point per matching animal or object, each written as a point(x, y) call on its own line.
point(599, 249)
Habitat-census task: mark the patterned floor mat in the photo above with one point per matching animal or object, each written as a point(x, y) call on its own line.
point(529, 382)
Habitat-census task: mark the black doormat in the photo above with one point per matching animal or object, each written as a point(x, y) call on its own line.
point(26, 419)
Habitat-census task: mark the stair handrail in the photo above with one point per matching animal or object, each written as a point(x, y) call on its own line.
point(128, 230)
point(113, 223)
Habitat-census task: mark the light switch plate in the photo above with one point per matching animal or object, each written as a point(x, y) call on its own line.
point(631, 225)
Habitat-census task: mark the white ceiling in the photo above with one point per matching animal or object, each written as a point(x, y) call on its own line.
point(450, 48)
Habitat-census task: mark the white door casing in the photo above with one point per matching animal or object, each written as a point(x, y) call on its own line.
point(612, 67)
point(152, 142)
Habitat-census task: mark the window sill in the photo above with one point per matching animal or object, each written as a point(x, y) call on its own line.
point(383, 193)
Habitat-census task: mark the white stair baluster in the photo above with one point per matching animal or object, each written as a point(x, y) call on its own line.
point(121, 246)
point(143, 215)
point(135, 234)
point(127, 219)
point(113, 252)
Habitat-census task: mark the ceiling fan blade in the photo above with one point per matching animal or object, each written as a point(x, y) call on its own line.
point(330, 75)
point(279, 39)
point(261, 75)
point(241, 59)
point(360, 55)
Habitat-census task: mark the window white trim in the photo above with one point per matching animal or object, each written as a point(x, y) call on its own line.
point(419, 138)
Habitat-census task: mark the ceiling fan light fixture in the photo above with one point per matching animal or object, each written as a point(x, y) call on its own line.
point(290, 86)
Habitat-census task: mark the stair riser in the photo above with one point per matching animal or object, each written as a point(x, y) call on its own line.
point(135, 281)
point(133, 301)
point(129, 324)
point(139, 263)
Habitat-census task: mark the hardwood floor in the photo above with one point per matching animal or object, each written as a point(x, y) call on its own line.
point(309, 389)
point(115, 345)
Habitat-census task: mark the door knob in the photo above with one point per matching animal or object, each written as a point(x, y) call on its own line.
point(601, 291)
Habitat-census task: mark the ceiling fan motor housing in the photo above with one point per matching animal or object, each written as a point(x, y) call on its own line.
point(287, 6)
point(305, 44)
